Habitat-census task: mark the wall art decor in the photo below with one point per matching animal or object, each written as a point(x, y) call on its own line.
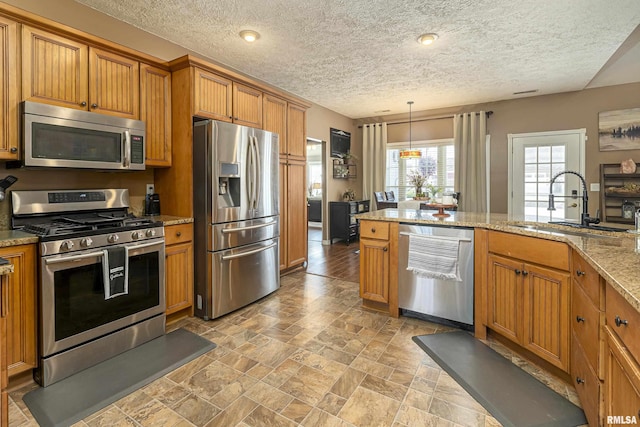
point(619, 130)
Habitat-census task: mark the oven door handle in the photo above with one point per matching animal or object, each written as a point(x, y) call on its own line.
point(144, 245)
point(250, 227)
point(73, 258)
point(247, 253)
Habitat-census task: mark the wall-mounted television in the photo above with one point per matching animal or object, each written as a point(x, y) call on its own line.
point(340, 143)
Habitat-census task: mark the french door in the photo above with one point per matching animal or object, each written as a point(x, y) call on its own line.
point(535, 158)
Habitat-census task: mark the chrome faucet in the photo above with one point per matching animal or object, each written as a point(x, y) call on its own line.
point(585, 220)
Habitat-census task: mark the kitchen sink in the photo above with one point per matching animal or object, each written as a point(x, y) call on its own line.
point(589, 227)
point(562, 231)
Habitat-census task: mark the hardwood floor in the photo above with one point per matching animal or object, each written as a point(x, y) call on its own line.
point(338, 260)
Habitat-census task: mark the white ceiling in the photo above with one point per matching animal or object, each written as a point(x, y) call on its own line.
point(361, 57)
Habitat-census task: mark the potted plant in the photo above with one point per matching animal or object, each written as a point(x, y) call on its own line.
point(417, 180)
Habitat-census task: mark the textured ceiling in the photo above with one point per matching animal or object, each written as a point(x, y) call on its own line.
point(360, 58)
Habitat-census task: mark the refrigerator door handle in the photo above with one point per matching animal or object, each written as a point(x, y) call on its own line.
point(247, 253)
point(251, 227)
point(249, 172)
point(258, 171)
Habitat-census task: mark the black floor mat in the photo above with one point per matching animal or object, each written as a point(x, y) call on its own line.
point(511, 395)
point(88, 391)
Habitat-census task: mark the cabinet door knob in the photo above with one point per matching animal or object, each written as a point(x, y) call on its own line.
point(620, 322)
point(579, 319)
point(580, 273)
point(179, 233)
point(518, 271)
point(83, 104)
point(579, 380)
point(13, 150)
point(525, 272)
point(94, 105)
point(373, 230)
point(385, 249)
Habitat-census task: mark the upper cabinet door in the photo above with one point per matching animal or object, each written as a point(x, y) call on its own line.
point(9, 111)
point(212, 96)
point(274, 119)
point(247, 106)
point(54, 69)
point(297, 132)
point(114, 84)
point(155, 111)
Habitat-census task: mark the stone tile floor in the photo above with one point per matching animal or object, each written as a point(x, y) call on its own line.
point(307, 355)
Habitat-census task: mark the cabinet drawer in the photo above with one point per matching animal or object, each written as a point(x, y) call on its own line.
point(180, 233)
point(588, 278)
point(539, 251)
point(587, 320)
point(628, 326)
point(586, 383)
point(374, 230)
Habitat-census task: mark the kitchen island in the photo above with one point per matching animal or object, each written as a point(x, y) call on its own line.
point(566, 298)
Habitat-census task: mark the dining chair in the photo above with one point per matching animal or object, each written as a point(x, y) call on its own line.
point(390, 196)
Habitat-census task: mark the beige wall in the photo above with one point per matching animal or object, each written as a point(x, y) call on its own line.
point(572, 110)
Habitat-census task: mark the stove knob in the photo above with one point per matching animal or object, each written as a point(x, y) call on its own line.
point(86, 242)
point(67, 245)
point(151, 233)
point(136, 235)
point(112, 238)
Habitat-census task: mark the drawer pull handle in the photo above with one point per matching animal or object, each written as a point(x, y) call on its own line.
point(620, 322)
point(518, 271)
point(179, 233)
point(579, 319)
point(580, 273)
point(373, 230)
point(579, 380)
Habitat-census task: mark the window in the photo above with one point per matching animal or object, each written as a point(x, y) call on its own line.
point(437, 163)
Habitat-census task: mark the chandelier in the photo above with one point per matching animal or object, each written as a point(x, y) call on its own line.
point(410, 154)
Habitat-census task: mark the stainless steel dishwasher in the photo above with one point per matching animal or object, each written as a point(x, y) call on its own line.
point(443, 301)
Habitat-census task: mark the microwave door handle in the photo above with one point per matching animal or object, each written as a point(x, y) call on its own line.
point(126, 161)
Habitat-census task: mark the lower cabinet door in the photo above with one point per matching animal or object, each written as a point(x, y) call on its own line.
point(586, 382)
point(622, 384)
point(546, 313)
point(504, 305)
point(179, 277)
point(374, 270)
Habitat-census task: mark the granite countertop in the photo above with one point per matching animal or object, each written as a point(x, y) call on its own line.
point(5, 268)
point(616, 256)
point(15, 238)
point(171, 220)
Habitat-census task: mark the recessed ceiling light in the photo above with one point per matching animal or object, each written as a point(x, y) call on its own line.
point(249, 35)
point(428, 38)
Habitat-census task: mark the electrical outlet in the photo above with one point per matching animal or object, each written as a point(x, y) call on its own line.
point(150, 189)
point(594, 186)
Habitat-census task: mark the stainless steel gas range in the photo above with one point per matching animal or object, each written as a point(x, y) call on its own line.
point(101, 281)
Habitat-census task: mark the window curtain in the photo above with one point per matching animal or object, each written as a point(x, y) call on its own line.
point(469, 140)
point(374, 158)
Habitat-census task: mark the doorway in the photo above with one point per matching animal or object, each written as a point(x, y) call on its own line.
point(535, 158)
point(315, 189)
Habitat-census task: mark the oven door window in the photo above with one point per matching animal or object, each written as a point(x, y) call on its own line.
point(79, 297)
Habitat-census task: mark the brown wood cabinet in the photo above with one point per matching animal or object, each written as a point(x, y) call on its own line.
point(22, 309)
point(293, 213)
point(61, 71)
point(223, 99)
point(4, 377)
point(155, 111)
point(9, 107)
point(274, 119)
point(179, 268)
point(528, 294)
point(296, 132)
point(622, 382)
point(379, 265)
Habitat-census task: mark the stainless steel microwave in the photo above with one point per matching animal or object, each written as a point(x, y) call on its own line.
point(68, 138)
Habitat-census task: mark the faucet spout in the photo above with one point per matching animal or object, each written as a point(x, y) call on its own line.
point(585, 220)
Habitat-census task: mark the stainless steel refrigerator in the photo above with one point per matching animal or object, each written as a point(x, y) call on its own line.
point(236, 213)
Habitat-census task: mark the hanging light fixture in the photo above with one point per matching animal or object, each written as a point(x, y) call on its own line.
point(410, 154)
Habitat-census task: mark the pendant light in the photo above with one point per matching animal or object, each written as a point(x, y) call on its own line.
point(410, 154)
